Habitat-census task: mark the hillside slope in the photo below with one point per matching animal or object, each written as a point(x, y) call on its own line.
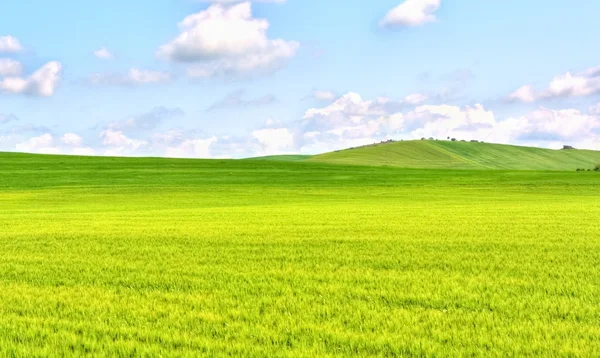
point(461, 155)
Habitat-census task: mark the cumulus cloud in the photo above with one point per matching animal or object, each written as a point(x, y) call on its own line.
point(411, 13)
point(416, 98)
point(139, 136)
point(10, 68)
point(236, 99)
point(274, 140)
point(113, 142)
point(9, 44)
point(541, 127)
point(568, 125)
point(191, 148)
point(103, 53)
point(42, 83)
point(350, 104)
point(352, 121)
point(43, 143)
point(348, 121)
point(72, 139)
point(118, 144)
point(569, 84)
point(46, 143)
point(227, 40)
point(173, 143)
point(441, 121)
point(134, 77)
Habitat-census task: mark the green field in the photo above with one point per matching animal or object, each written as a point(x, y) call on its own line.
point(463, 155)
point(295, 258)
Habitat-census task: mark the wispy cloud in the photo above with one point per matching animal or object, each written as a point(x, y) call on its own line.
point(134, 77)
point(236, 100)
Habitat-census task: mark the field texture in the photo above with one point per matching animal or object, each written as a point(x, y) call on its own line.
point(462, 155)
point(150, 257)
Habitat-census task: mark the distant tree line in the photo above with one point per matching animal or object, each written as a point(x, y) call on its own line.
point(596, 169)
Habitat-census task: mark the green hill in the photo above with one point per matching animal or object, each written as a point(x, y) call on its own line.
point(461, 155)
point(282, 158)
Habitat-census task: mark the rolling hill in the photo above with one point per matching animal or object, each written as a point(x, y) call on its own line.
point(461, 155)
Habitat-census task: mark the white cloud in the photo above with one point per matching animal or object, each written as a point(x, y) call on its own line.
point(46, 143)
point(72, 139)
point(412, 13)
point(416, 98)
point(42, 83)
point(10, 44)
point(323, 95)
point(227, 40)
point(191, 148)
point(568, 125)
point(177, 143)
point(595, 109)
point(137, 76)
point(542, 127)
point(441, 121)
point(103, 53)
point(353, 106)
point(172, 137)
point(40, 144)
point(173, 143)
point(134, 77)
point(351, 121)
point(524, 94)
point(274, 140)
point(580, 84)
point(10, 67)
point(569, 85)
point(350, 104)
point(119, 144)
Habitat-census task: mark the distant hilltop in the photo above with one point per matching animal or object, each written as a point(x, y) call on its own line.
point(461, 154)
point(565, 147)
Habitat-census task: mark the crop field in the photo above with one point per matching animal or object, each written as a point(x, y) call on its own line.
point(254, 258)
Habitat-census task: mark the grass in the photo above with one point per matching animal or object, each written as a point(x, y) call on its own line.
point(462, 155)
point(254, 258)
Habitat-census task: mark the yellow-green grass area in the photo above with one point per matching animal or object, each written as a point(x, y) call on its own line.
point(462, 155)
point(156, 257)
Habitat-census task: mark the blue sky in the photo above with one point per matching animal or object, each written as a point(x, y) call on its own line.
point(223, 78)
